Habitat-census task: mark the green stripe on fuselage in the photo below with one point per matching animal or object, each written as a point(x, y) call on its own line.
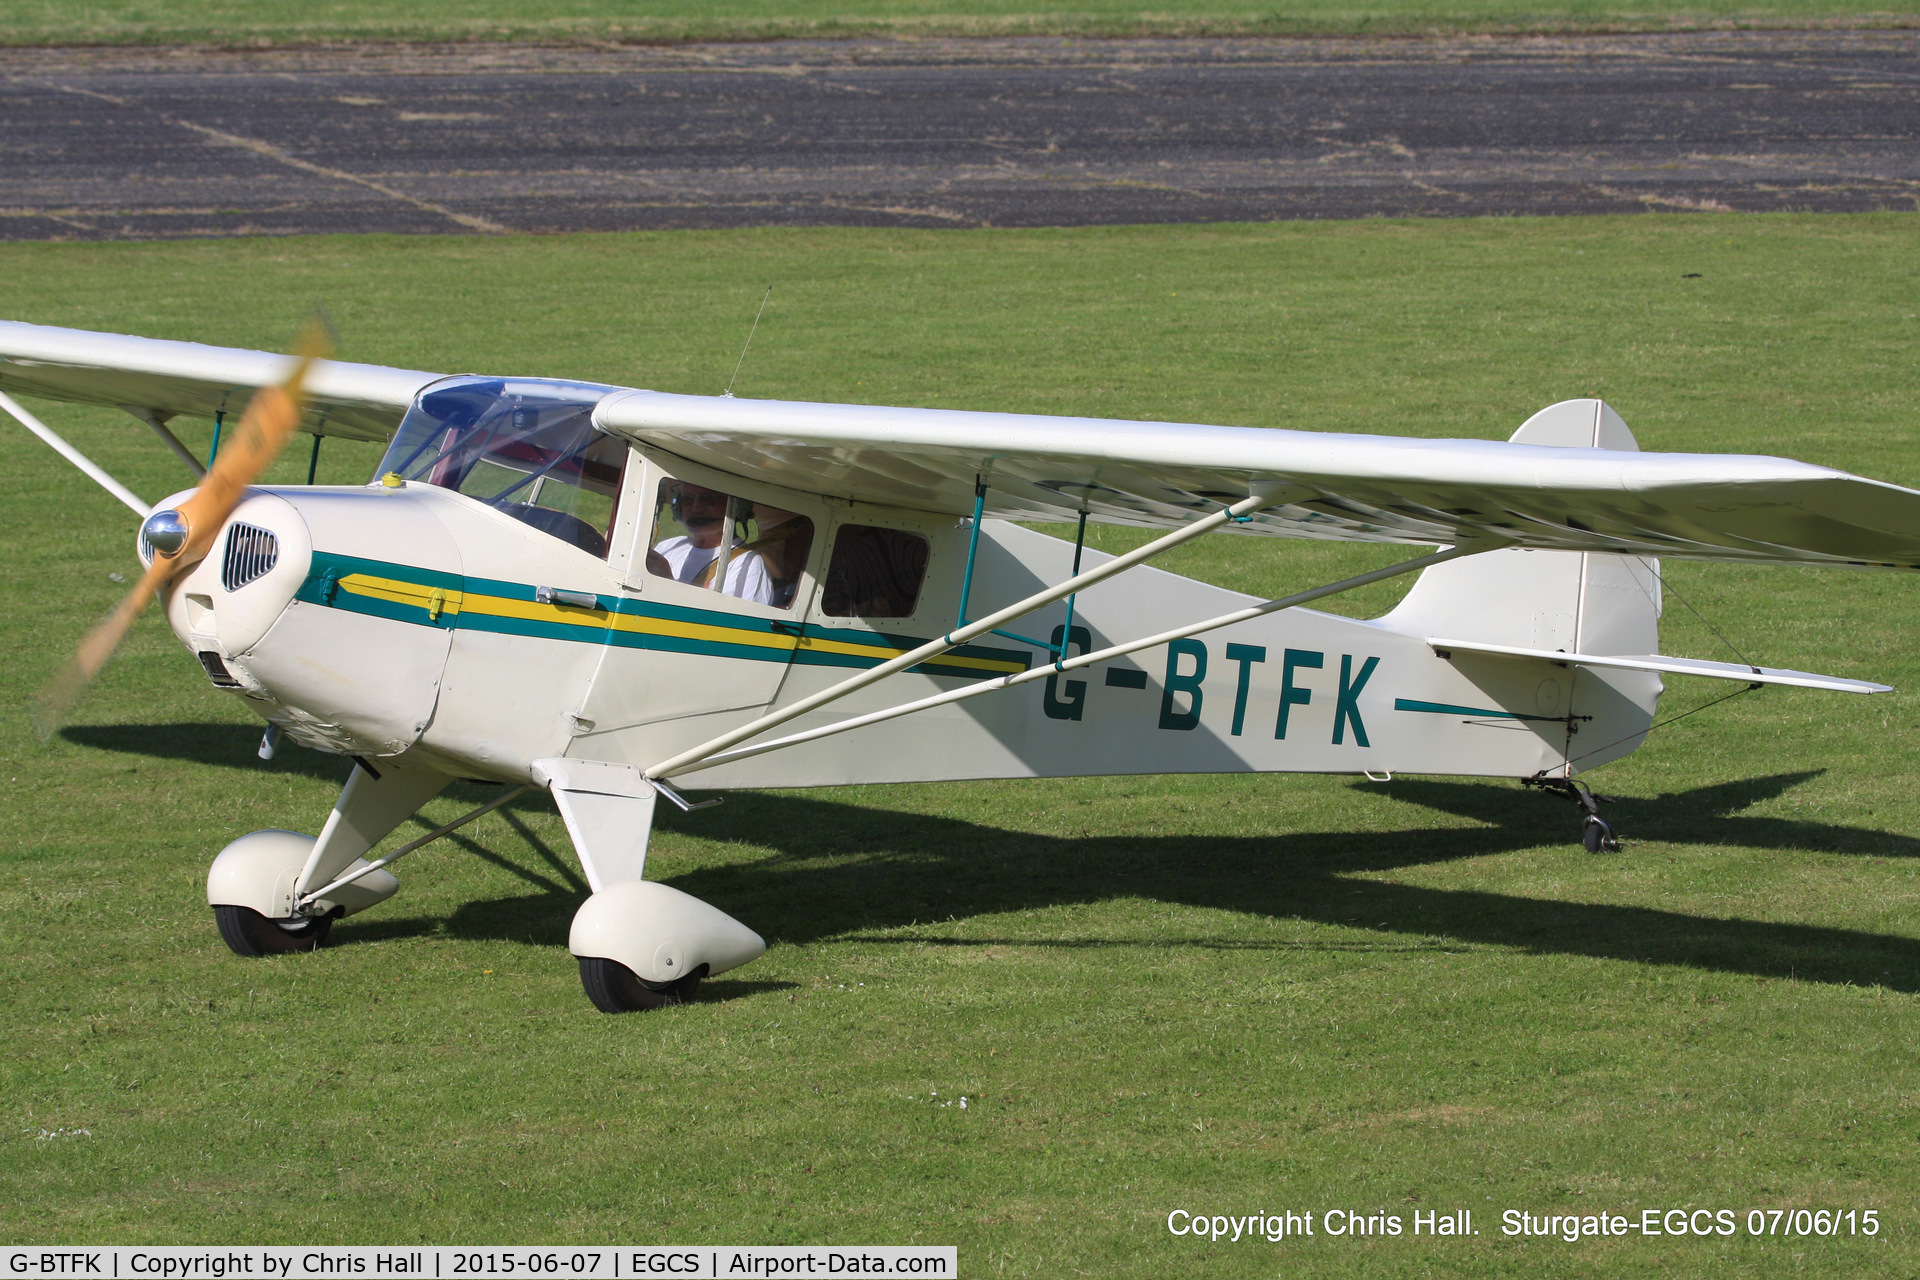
point(322, 588)
point(1448, 709)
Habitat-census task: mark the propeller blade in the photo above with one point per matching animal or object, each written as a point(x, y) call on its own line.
point(272, 416)
point(270, 420)
point(73, 679)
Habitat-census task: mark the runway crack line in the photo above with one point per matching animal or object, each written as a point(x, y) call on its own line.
point(50, 215)
point(271, 152)
point(1704, 205)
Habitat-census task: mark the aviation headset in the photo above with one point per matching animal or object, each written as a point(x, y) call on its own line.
point(677, 506)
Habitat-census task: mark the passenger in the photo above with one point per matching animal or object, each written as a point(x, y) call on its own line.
point(784, 541)
point(694, 557)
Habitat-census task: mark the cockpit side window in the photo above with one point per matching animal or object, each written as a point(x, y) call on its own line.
point(718, 542)
point(875, 573)
point(526, 447)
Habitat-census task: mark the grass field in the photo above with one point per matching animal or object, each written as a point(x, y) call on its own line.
point(1209, 994)
point(250, 22)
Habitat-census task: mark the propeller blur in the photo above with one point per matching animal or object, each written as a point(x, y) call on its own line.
point(182, 533)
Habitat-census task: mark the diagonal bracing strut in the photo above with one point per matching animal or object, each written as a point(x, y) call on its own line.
point(961, 635)
point(1085, 660)
point(180, 451)
point(505, 797)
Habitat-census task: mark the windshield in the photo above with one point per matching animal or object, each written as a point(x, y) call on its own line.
point(524, 446)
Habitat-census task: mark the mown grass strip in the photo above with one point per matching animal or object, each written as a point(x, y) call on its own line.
point(1216, 994)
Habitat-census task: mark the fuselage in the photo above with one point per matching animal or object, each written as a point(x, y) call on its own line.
point(553, 592)
point(426, 615)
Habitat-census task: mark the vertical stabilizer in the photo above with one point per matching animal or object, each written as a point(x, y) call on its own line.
point(1579, 602)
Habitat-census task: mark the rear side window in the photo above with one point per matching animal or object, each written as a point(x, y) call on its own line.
point(875, 573)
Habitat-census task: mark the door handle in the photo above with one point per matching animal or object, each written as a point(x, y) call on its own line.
point(578, 599)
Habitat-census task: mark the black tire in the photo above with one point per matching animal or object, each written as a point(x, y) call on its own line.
point(1598, 837)
point(249, 933)
point(614, 988)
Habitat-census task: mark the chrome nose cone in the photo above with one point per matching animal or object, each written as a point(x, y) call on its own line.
point(165, 532)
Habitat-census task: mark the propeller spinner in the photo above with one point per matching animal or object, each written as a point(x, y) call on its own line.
point(165, 532)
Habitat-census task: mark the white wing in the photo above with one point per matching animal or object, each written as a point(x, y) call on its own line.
point(1156, 474)
point(358, 401)
point(1351, 487)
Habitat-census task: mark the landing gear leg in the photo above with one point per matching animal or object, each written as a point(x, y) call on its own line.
point(255, 886)
point(1595, 834)
point(641, 944)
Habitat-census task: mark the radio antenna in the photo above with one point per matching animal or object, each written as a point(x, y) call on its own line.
point(728, 393)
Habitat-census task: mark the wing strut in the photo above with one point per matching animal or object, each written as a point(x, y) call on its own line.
point(180, 451)
point(73, 455)
point(1071, 664)
point(961, 635)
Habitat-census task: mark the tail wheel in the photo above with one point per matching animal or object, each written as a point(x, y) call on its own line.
point(251, 934)
point(1598, 837)
point(614, 988)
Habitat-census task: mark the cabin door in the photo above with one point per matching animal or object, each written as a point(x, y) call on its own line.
point(716, 583)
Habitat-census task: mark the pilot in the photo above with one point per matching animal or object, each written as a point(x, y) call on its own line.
point(694, 557)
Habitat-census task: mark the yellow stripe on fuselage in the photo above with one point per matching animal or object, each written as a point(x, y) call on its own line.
point(703, 631)
point(948, 659)
point(437, 601)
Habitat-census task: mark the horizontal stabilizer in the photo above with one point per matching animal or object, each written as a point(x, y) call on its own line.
point(1672, 666)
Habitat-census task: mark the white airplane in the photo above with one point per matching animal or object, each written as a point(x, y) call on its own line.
point(610, 593)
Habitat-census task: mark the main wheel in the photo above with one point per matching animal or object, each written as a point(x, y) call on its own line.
point(251, 934)
point(614, 988)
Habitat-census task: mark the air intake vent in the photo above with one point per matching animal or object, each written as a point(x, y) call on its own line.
point(251, 552)
point(217, 671)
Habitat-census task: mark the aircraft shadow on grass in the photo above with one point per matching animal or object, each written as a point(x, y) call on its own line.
point(842, 869)
point(232, 746)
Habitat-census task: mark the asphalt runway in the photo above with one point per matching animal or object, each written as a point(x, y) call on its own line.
point(111, 144)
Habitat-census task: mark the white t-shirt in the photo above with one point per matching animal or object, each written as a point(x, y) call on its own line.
point(746, 574)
